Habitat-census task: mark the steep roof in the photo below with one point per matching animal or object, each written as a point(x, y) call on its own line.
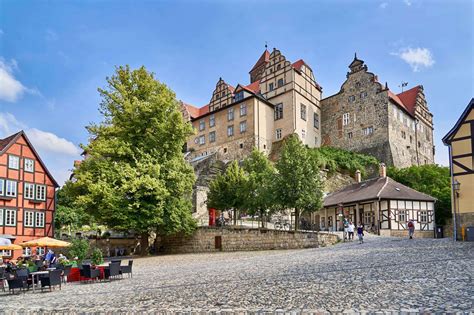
point(195, 112)
point(264, 58)
point(376, 188)
point(9, 141)
point(254, 87)
point(448, 137)
point(409, 98)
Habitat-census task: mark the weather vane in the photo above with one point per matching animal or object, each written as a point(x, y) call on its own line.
point(403, 85)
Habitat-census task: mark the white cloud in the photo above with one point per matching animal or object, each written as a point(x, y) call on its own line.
point(58, 153)
point(417, 58)
point(10, 88)
point(383, 5)
point(407, 2)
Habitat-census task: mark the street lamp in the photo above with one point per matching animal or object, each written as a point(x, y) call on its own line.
point(456, 187)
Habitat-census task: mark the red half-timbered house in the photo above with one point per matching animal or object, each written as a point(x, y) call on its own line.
point(27, 193)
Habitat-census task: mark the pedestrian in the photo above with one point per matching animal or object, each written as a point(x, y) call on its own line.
point(360, 233)
point(350, 229)
point(345, 223)
point(411, 228)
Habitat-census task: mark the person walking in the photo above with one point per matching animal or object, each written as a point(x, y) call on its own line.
point(360, 233)
point(350, 230)
point(411, 228)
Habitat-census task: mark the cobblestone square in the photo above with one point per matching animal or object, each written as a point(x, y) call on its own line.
point(383, 274)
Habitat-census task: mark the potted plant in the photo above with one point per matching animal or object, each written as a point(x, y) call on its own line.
point(96, 257)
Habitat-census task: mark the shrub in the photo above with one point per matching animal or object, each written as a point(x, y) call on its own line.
point(79, 249)
point(96, 257)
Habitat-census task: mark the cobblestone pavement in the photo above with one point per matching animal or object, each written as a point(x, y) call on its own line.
point(383, 274)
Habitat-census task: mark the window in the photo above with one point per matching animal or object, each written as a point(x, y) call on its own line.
point(303, 111)
point(243, 109)
point(368, 217)
point(212, 120)
point(212, 136)
point(2, 189)
point(1, 217)
point(316, 120)
point(239, 96)
point(278, 134)
point(13, 162)
point(278, 67)
point(29, 192)
point(402, 216)
point(368, 131)
point(363, 94)
point(345, 119)
point(241, 145)
point(230, 114)
point(27, 251)
point(40, 251)
point(280, 83)
point(223, 94)
point(303, 134)
point(202, 140)
point(10, 217)
point(29, 165)
point(225, 150)
point(404, 134)
point(352, 98)
point(278, 111)
point(349, 135)
point(411, 139)
point(202, 125)
point(39, 219)
point(230, 131)
point(243, 126)
point(10, 190)
point(270, 86)
point(29, 217)
point(423, 216)
point(6, 253)
point(41, 190)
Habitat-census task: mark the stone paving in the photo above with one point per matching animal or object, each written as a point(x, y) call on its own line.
point(383, 274)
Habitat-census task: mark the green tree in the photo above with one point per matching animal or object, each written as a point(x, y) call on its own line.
point(79, 248)
point(68, 214)
point(135, 176)
point(433, 180)
point(258, 187)
point(227, 190)
point(298, 182)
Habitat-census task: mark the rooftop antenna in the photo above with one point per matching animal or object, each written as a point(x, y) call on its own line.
point(402, 85)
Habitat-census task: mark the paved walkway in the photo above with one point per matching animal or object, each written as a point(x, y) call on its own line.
point(389, 274)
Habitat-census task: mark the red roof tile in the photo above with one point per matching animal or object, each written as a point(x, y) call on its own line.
point(398, 101)
point(298, 64)
point(195, 112)
point(254, 87)
point(264, 58)
point(409, 98)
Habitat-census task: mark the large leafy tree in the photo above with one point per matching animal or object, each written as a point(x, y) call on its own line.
point(258, 187)
point(68, 215)
point(433, 180)
point(298, 183)
point(227, 190)
point(135, 176)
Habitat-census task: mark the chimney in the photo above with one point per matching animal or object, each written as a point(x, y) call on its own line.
point(383, 170)
point(358, 178)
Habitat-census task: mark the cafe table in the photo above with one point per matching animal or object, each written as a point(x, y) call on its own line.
point(36, 274)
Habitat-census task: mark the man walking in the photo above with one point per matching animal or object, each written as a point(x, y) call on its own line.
point(360, 233)
point(350, 229)
point(411, 228)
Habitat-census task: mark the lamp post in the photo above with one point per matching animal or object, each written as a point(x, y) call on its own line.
point(456, 187)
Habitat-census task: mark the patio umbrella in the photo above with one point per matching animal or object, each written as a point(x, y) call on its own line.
point(45, 242)
point(10, 247)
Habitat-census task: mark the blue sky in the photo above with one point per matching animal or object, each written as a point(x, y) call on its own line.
point(55, 54)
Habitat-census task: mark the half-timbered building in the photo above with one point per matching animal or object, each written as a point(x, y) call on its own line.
point(27, 193)
point(460, 141)
point(381, 204)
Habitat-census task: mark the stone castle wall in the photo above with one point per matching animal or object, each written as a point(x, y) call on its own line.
point(208, 239)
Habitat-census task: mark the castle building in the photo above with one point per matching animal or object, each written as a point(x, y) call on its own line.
point(282, 98)
point(27, 194)
point(367, 117)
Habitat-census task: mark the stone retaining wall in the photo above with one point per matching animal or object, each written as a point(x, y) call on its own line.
point(418, 234)
point(210, 239)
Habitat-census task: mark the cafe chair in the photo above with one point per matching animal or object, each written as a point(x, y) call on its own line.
point(53, 279)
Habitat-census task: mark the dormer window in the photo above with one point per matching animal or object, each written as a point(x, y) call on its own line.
point(239, 96)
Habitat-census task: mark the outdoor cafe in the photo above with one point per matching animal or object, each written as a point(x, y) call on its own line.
point(38, 272)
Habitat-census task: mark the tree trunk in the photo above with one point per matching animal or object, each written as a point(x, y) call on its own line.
point(235, 217)
point(262, 218)
point(144, 244)
point(297, 219)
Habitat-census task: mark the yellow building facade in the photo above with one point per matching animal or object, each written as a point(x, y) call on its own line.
point(460, 141)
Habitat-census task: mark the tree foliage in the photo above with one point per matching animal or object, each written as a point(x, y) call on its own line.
point(258, 186)
point(135, 176)
point(227, 190)
point(338, 160)
point(68, 214)
point(433, 180)
point(298, 182)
